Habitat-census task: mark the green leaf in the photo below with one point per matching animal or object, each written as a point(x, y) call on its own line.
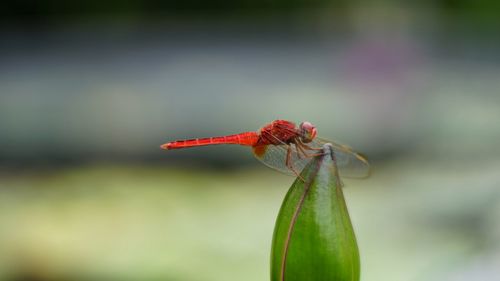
point(313, 237)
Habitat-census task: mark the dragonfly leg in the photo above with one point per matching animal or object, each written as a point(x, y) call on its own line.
point(302, 147)
point(289, 164)
point(309, 147)
point(299, 150)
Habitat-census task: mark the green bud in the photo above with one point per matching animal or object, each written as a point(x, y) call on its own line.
point(313, 237)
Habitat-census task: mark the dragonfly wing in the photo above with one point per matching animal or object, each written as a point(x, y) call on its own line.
point(350, 163)
point(273, 156)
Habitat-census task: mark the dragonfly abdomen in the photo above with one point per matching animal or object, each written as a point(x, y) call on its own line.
point(248, 139)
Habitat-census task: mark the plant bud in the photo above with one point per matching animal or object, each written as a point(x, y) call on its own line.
point(313, 237)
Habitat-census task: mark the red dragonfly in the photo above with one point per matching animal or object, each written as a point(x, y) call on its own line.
point(286, 147)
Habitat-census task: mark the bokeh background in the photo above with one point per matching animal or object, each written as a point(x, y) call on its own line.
point(90, 89)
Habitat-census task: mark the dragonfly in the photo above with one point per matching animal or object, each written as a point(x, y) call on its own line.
point(286, 147)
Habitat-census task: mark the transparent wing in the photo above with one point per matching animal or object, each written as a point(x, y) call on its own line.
point(274, 156)
point(349, 163)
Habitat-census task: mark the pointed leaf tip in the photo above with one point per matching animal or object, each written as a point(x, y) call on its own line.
point(313, 236)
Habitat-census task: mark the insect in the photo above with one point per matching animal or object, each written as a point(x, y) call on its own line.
point(286, 147)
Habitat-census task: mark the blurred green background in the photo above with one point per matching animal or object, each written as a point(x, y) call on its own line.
point(90, 89)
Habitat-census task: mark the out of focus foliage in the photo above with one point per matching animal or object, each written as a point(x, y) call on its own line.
point(482, 11)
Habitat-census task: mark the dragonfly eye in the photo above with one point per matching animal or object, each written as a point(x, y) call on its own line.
point(307, 132)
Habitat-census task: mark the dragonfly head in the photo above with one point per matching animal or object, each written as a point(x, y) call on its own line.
point(307, 132)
